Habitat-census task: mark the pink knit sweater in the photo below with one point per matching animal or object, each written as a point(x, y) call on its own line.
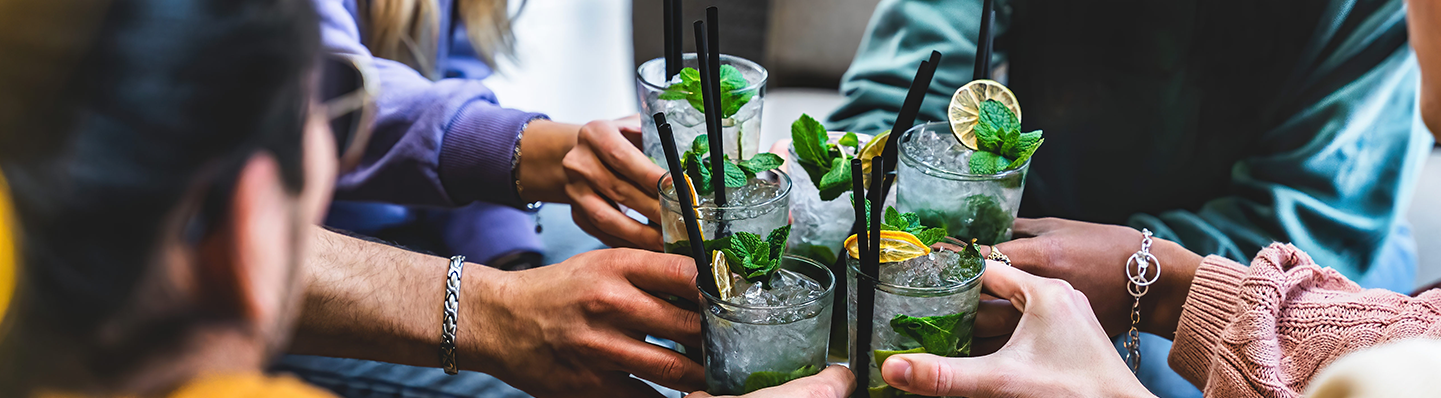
point(1266, 330)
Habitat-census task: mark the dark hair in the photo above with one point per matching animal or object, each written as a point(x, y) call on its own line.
point(110, 113)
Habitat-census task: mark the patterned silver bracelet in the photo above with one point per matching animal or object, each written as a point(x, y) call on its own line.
point(451, 307)
point(1139, 279)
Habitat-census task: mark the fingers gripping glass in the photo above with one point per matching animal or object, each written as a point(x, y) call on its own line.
point(348, 89)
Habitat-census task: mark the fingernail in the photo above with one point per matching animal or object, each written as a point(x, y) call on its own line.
point(898, 375)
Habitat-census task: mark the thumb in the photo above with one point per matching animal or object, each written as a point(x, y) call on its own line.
point(936, 376)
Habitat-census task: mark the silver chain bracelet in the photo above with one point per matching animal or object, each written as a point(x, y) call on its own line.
point(1139, 280)
point(452, 307)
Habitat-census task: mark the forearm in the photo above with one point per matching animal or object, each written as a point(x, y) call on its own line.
point(1423, 21)
point(373, 301)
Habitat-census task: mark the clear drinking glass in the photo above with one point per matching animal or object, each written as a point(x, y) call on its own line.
point(742, 131)
point(818, 227)
point(759, 207)
point(935, 182)
point(752, 343)
point(934, 285)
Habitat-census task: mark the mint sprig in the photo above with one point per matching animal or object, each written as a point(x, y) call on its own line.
point(696, 162)
point(1001, 144)
point(731, 79)
point(906, 222)
point(757, 259)
point(828, 166)
point(766, 379)
point(939, 335)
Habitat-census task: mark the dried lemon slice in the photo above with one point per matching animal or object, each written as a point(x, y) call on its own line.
point(966, 103)
point(873, 148)
point(721, 271)
point(896, 246)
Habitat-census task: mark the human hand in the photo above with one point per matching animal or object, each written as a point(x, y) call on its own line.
point(834, 382)
point(1058, 349)
point(578, 328)
point(596, 168)
point(1092, 256)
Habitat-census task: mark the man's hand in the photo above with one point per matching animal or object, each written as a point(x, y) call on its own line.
point(1092, 257)
point(577, 328)
point(834, 382)
point(595, 168)
point(1058, 349)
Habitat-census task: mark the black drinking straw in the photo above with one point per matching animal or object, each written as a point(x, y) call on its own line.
point(865, 281)
point(710, 93)
point(712, 21)
point(984, 40)
point(672, 39)
point(687, 212)
point(906, 118)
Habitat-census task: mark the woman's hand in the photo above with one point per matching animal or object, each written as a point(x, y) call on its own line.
point(1092, 258)
point(833, 382)
point(596, 168)
point(578, 328)
point(1058, 349)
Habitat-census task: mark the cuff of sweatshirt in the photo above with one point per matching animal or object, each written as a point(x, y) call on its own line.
point(477, 153)
point(1210, 307)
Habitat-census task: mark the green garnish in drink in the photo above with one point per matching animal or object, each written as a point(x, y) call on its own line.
point(696, 163)
point(731, 80)
point(909, 223)
point(759, 380)
point(757, 259)
point(1001, 144)
point(979, 217)
point(828, 166)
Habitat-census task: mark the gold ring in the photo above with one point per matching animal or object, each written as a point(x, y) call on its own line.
point(996, 255)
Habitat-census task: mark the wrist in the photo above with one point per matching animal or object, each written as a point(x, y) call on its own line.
point(478, 341)
point(1161, 309)
point(542, 147)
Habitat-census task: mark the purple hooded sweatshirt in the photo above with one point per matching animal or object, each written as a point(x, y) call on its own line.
point(443, 143)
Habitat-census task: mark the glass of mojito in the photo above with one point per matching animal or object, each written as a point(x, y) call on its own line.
point(820, 221)
point(936, 180)
point(923, 304)
point(758, 207)
point(743, 86)
point(769, 331)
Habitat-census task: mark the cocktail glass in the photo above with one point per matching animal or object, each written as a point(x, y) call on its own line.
point(935, 182)
point(759, 207)
point(926, 286)
point(818, 227)
point(762, 338)
point(742, 130)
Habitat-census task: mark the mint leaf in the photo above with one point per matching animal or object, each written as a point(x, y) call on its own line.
point(939, 335)
point(837, 181)
point(1027, 141)
point(698, 171)
point(756, 259)
point(1025, 154)
point(762, 162)
point(850, 140)
point(701, 145)
point(997, 117)
point(777, 240)
point(893, 221)
point(988, 220)
point(732, 99)
point(689, 89)
point(930, 236)
point(987, 138)
point(809, 138)
point(759, 380)
point(734, 176)
point(988, 163)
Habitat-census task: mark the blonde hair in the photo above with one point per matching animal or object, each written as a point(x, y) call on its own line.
point(408, 31)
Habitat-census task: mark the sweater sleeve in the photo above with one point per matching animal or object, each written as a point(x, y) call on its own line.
point(435, 143)
point(1267, 330)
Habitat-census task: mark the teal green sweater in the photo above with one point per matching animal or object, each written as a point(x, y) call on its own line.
point(1224, 126)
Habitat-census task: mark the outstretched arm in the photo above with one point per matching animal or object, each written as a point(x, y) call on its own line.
point(568, 329)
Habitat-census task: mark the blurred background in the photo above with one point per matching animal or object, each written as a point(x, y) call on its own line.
point(805, 44)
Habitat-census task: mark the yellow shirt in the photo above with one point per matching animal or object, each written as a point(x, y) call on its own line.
point(247, 385)
point(7, 253)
